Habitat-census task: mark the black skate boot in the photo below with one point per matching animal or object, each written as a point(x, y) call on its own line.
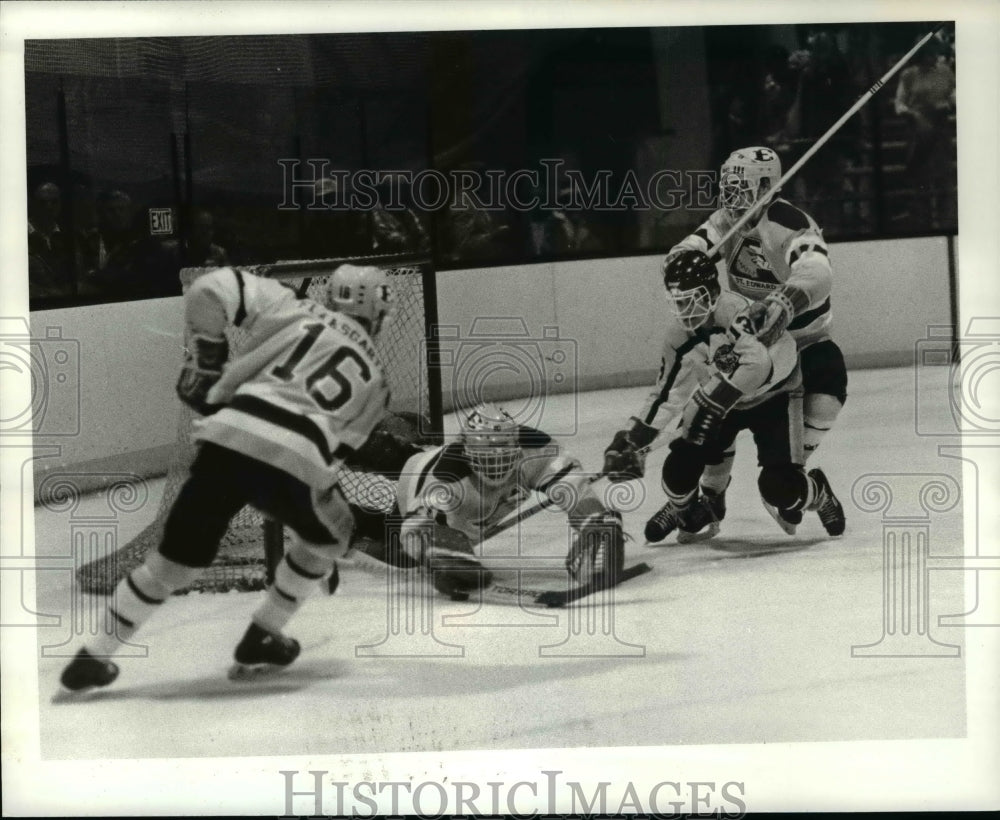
point(668, 519)
point(827, 506)
point(85, 672)
point(261, 651)
point(702, 520)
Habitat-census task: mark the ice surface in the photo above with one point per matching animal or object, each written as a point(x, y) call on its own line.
point(747, 639)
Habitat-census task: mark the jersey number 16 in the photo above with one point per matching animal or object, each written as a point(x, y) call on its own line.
point(334, 368)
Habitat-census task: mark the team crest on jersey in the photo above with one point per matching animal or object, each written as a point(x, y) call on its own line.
point(725, 359)
point(749, 262)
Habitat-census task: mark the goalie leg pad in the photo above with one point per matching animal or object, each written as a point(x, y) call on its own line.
point(598, 551)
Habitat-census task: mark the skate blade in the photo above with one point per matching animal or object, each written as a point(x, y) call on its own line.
point(789, 529)
point(242, 672)
point(64, 695)
point(710, 531)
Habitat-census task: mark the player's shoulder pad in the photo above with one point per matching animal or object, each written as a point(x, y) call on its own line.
point(730, 304)
point(531, 438)
point(787, 216)
point(452, 464)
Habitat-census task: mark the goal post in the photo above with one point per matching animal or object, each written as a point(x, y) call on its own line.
point(406, 347)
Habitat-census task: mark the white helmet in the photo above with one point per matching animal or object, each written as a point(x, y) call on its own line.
point(362, 292)
point(745, 177)
point(490, 438)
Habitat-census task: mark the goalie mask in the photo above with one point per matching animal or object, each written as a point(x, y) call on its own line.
point(490, 439)
point(693, 289)
point(746, 176)
point(363, 293)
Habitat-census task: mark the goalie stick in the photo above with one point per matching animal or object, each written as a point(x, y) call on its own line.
point(559, 598)
point(506, 591)
point(713, 252)
point(545, 503)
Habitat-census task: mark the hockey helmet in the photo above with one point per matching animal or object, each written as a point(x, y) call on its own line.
point(692, 285)
point(490, 439)
point(362, 292)
point(745, 177)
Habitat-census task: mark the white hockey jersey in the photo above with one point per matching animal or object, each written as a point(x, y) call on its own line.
point(691, 358)
point(305, 388)
point(784, 247)
point(440, 484)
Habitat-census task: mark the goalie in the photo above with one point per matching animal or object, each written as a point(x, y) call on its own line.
point(717, 378)
point(451, 496)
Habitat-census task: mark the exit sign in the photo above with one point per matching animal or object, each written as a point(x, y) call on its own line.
point(161, 221)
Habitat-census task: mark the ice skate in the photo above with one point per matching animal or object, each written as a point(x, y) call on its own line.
point(261, 652)
point(702, 520)
point(668, 519)
point(83, 674)
point(827, 506)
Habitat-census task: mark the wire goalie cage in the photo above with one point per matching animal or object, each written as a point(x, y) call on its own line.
point(251, 542)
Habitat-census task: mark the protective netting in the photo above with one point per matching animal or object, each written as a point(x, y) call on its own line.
point(241, 563)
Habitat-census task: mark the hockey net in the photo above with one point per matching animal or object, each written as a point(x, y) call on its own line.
point(251, 541)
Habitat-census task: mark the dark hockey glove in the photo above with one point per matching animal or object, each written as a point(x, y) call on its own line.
point(387, 449)
point(454, 569)
point(706, 409)
point(202, 369)
point(622, 459)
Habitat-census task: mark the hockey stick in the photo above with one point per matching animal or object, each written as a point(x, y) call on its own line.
point(547, 502)
point(864, 98)
point(559, 598)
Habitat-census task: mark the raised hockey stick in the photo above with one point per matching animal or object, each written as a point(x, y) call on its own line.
point(864, 98)
point(545, 503)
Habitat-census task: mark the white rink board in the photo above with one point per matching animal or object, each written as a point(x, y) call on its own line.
point(746, 642)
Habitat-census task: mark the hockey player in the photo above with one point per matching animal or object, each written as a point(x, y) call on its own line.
point(451, 496)
point(303, 394)
point(779, 260)
point(717, 378)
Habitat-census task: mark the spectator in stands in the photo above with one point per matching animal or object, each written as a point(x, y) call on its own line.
point(776, 97)
point(198, 250)
point(562, 230)
point(824, 90)
point(112, 254)
point(399, 230)
point(925, 96)
point(329, 229)
point(50, 255)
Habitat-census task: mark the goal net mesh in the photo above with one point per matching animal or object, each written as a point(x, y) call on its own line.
point(241, 564)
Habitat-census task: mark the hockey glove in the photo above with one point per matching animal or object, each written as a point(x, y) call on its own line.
point(706, 409)
point(202, 369)
point(771, 316)
point(622, 459)
point(386, 451)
